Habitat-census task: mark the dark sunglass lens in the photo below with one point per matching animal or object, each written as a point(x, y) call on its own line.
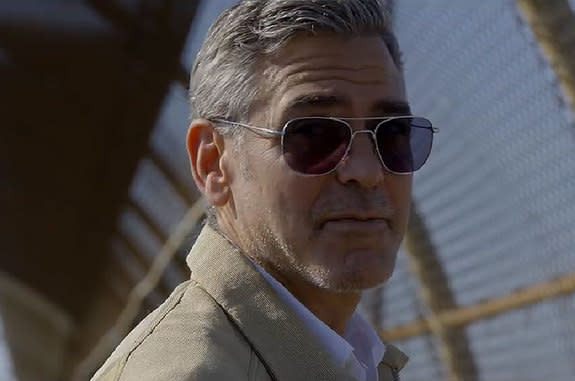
point(405, 143)
point(314, 145)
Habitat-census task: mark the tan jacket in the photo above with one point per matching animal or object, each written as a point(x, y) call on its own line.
point(226, 323)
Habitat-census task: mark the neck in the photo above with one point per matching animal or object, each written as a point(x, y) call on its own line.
point(333, 308)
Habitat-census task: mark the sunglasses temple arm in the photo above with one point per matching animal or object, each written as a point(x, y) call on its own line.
point(257, 130)
point(262, 131)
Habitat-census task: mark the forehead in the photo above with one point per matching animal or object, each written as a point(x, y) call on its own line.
point(328, 74)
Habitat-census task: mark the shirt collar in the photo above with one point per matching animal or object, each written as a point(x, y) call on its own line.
point(360, 342)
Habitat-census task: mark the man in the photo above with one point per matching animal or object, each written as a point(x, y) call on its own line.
point(303, 143)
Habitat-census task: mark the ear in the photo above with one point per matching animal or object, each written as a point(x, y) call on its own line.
point(206, 151)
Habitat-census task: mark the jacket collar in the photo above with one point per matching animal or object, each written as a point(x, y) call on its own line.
point(274, 330)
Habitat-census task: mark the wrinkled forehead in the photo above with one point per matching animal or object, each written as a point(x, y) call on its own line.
point(327, 74)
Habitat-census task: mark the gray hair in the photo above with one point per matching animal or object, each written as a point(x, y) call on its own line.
point(224, 80)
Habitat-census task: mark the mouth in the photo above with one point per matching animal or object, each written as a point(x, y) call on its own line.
point(355, 223)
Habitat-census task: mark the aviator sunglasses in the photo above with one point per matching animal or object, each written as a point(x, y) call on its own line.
point(317, 145)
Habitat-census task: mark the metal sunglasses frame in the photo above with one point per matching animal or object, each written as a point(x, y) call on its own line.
point(266, 132)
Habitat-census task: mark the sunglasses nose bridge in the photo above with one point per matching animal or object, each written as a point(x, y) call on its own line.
point(373, 142)
point(370, 132)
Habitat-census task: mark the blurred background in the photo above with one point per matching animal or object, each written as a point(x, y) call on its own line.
point(98, 209)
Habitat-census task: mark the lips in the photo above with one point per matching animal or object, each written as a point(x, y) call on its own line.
point(357, 227)
point(355, 220)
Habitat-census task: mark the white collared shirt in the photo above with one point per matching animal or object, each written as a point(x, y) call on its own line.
point(359, 351)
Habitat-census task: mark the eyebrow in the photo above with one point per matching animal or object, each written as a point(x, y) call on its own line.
point(314, 100)
point(307, 101)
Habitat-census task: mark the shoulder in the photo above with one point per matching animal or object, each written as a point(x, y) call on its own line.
point(189, 337)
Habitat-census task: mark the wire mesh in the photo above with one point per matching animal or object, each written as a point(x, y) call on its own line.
point(498, 192)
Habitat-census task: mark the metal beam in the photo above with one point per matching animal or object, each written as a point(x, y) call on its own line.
point(163, 287)
point(31, 325)
point(180, 264)
point(171, 25)
point(148, 220)
point(436, 293)
point(189, 195)
point(460, 317)
point(141, 291)
point(553, 24)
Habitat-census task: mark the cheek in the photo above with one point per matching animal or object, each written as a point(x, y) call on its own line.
point(399, 190)
point(296, 197)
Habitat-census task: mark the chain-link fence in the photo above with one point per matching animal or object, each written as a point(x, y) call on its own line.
point(497, 195)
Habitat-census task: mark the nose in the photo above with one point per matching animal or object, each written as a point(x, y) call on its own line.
point(362, 164)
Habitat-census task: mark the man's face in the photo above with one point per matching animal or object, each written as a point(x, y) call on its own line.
point(339, 231)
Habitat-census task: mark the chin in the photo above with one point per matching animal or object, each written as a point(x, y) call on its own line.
point(354, 275)
point(358, 282)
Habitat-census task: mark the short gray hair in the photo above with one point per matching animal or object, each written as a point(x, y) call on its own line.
point(224, 81)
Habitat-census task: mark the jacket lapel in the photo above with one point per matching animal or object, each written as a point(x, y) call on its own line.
point(289, 350)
